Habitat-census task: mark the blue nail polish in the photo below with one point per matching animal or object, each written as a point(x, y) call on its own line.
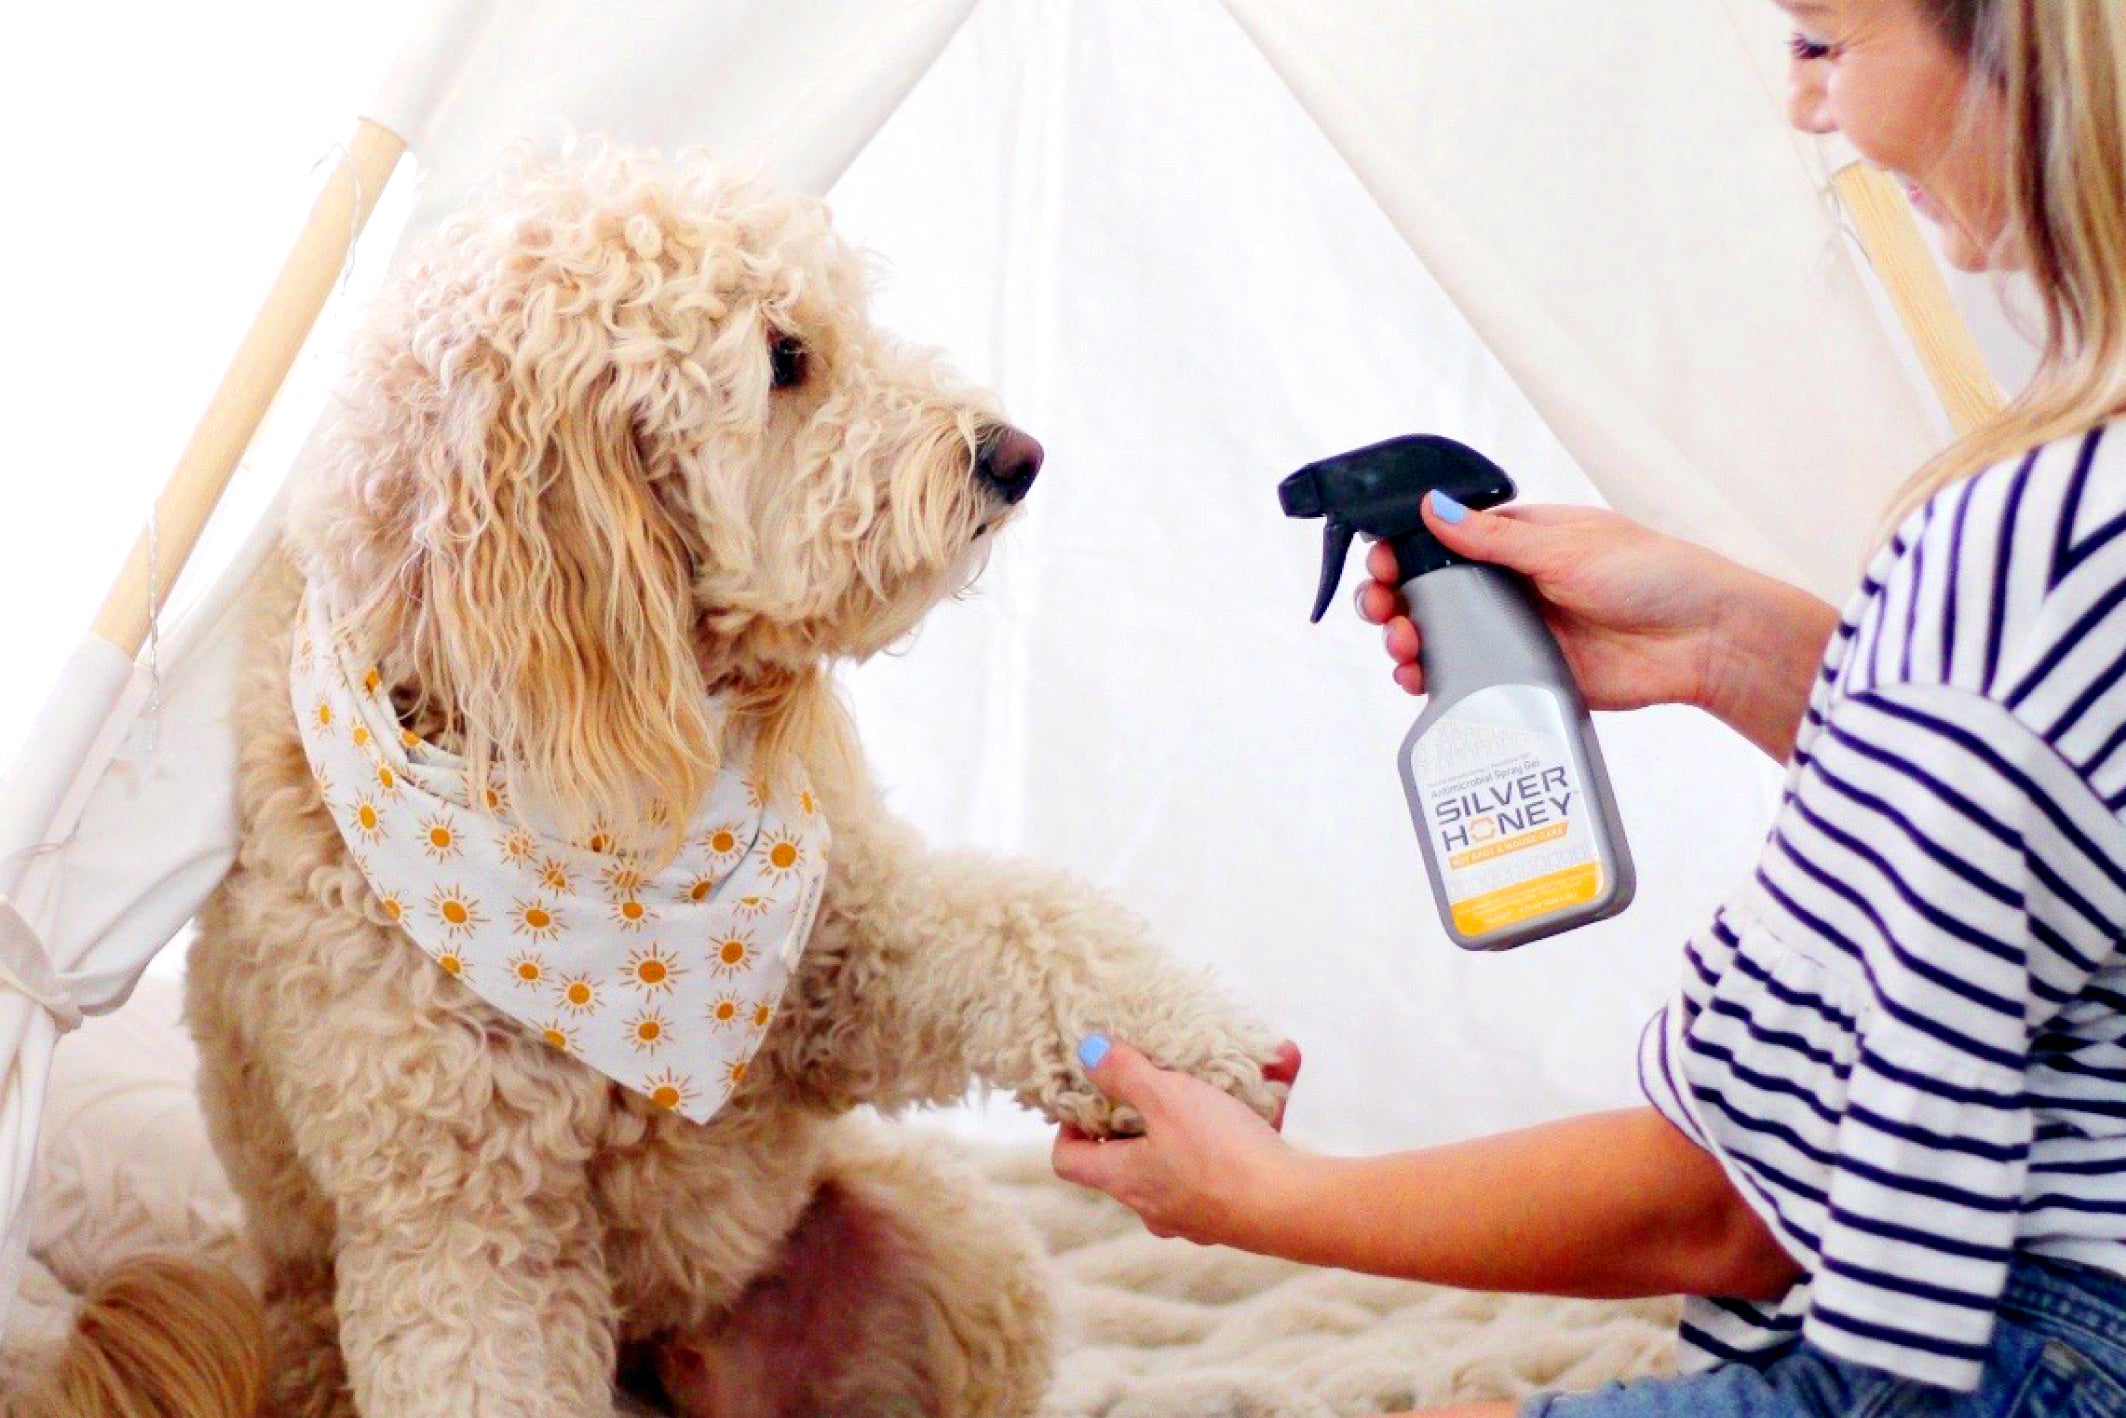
point(1446, 508)
point(1091, 1049)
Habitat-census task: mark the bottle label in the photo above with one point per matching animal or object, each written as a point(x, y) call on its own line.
point(1505, 810)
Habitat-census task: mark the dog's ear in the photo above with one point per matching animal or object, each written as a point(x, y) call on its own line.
point(551, 594)
point(510, 514)
point(572, 594)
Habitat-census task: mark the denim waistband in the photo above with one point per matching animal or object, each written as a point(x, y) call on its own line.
point(2080, 1297)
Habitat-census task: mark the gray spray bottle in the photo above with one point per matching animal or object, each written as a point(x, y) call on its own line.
point(1507, 790)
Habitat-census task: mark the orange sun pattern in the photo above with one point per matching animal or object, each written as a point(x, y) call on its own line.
point(662, 975)
point(732, 955)
point(536, 918)
point(653, 968)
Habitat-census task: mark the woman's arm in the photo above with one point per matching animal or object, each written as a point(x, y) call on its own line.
point(1766, 648)
point(1616, 1204)
point(1606, 1206)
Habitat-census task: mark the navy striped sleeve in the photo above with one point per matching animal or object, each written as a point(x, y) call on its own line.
point(1938, 853)
point(1906, 1036)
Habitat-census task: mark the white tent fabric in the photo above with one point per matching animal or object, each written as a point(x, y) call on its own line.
point(1154, 253)
point(800, 88)
point(1612, 195)
point(1635, 287)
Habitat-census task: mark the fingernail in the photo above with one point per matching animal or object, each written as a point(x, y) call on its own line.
point(1446, 508)
point(1091, 1049)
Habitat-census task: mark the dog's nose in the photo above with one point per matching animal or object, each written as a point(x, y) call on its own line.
point(1008, 464)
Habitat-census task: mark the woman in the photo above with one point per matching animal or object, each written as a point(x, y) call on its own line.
point(1886, 1140)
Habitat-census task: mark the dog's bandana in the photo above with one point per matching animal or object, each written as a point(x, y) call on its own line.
point(665, 983)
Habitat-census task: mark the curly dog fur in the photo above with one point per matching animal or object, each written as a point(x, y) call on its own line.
point(623, 440)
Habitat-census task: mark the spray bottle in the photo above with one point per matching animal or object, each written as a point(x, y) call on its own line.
point(1507, 790)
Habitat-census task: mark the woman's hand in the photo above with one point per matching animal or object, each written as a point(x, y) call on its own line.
point(1206, 1167)
point(1633, 610)
point(1642, 618)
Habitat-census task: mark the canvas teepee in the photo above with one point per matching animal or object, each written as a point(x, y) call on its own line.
point(1634, 274)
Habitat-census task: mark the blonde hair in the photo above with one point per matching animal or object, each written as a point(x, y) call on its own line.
point(2060, 67)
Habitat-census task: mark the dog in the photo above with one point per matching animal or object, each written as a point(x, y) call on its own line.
point(620, 472)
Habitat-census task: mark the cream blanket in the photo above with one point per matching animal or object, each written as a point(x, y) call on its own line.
point(1155, 1328)
point(1176, 1330)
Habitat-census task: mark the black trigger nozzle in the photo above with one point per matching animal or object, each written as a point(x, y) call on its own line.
point(1380, 490)
point(1336, 536)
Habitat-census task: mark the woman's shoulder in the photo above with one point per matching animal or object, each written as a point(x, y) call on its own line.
point(2037, 516)
point(2011, 584)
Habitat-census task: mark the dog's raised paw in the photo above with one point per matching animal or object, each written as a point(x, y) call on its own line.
point(1075, 1103)
point(1069, 1098)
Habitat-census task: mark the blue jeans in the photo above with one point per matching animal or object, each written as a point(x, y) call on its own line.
point(2059, 1351)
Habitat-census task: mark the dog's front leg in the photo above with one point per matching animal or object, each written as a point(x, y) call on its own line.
point(449, 1310)
point(468, 1265)
point(933, 970)
point(447, 1313)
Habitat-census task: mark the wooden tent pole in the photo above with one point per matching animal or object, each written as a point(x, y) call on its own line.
point(247, 390)
point(1901, 257)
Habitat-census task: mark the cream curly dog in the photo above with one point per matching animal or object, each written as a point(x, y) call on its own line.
point(622, 470)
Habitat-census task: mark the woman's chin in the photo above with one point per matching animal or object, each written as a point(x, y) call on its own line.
point(1963, 250)
point(1966, 256)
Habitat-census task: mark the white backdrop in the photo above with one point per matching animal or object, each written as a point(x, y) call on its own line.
point(1116, 213)
point(1178, 285)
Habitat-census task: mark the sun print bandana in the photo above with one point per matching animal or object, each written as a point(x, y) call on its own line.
point(666, 984)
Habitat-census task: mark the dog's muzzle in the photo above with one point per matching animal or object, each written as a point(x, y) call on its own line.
point(1007, 464)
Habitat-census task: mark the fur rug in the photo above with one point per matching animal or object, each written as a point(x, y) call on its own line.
point(1155, 1329)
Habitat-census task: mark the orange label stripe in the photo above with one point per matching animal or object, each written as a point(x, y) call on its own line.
point(1510, 905)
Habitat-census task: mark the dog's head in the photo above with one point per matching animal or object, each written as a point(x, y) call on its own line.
point(623, 439)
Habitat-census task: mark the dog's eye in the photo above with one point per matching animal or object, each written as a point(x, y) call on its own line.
point(787, 358)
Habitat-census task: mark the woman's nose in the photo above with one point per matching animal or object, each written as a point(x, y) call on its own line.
point(1808, 106)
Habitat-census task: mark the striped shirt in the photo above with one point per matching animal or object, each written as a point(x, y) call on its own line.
point(1905, 1037)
